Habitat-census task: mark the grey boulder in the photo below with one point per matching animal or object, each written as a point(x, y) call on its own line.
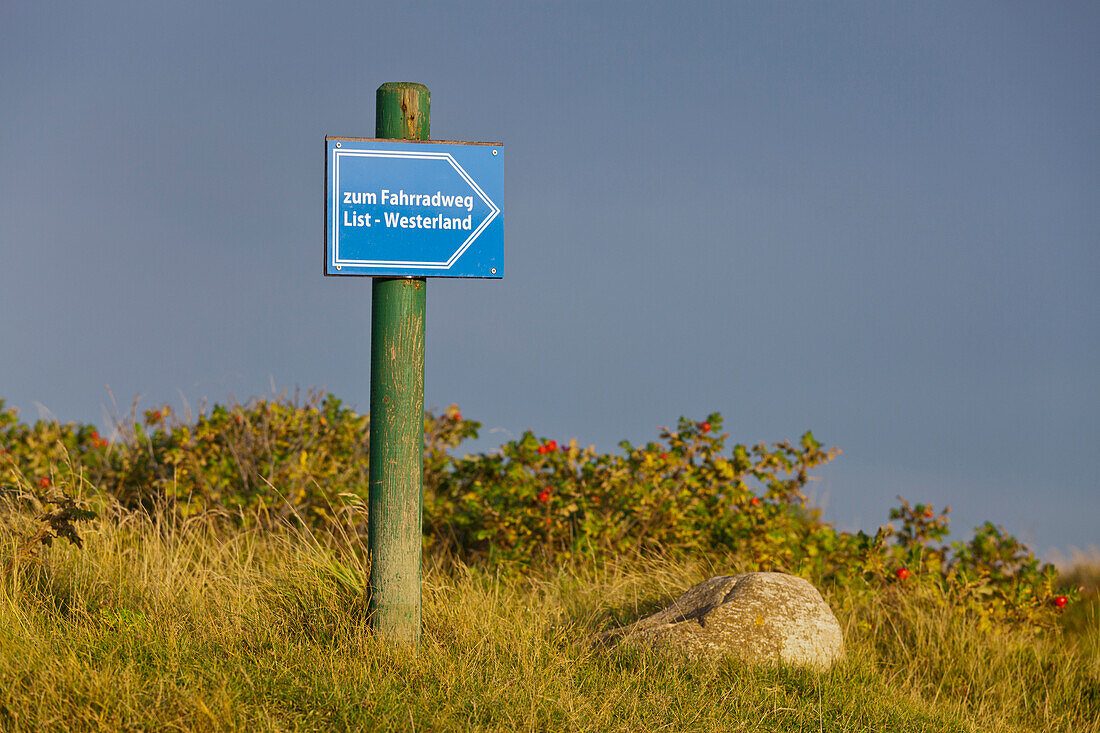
point(755, 617)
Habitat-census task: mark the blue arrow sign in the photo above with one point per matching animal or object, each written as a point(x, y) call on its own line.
point(413, 209)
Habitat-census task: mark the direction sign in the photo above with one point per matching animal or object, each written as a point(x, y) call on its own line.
point(413, 209)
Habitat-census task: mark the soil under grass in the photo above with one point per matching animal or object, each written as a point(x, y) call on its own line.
point(193, 626)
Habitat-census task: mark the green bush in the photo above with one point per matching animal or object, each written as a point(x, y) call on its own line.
point(535, 501)
point(267, 459)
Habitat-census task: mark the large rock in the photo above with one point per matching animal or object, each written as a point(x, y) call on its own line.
point(756, 617)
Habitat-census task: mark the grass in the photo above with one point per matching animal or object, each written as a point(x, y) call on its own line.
point(192, 626)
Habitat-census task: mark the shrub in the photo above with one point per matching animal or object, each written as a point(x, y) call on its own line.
point(535, 501)
point(272, 459)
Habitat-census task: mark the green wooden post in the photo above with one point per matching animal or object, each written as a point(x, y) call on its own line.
point(402, 111)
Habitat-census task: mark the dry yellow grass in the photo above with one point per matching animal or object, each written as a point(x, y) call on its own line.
point(195, 626)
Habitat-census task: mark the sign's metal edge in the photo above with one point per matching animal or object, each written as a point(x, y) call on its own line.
point(441, 275)
point(324, 212)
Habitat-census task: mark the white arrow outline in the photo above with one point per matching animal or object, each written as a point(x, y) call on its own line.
point(335, 242)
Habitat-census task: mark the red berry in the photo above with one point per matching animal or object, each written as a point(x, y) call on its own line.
point(43, 482)
point(552, 445)
point(902, 573)
point(544, 495)
point(928, 514)
point(705, 427)
point(755, 501)
point(1061, 601)
point(458, 415)
point(542, 450)
point(664, 456)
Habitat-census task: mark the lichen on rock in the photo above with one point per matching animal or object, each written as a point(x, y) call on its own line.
point(755, 617)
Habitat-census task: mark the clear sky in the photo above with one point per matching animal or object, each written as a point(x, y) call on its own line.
point(879, 221)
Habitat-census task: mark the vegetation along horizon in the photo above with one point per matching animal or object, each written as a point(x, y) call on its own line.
point(534, 516)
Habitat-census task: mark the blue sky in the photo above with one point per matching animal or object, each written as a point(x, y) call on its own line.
point(879, 221)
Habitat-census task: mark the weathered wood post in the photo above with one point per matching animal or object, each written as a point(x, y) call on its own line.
point(402, 111)
point(400, 208)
